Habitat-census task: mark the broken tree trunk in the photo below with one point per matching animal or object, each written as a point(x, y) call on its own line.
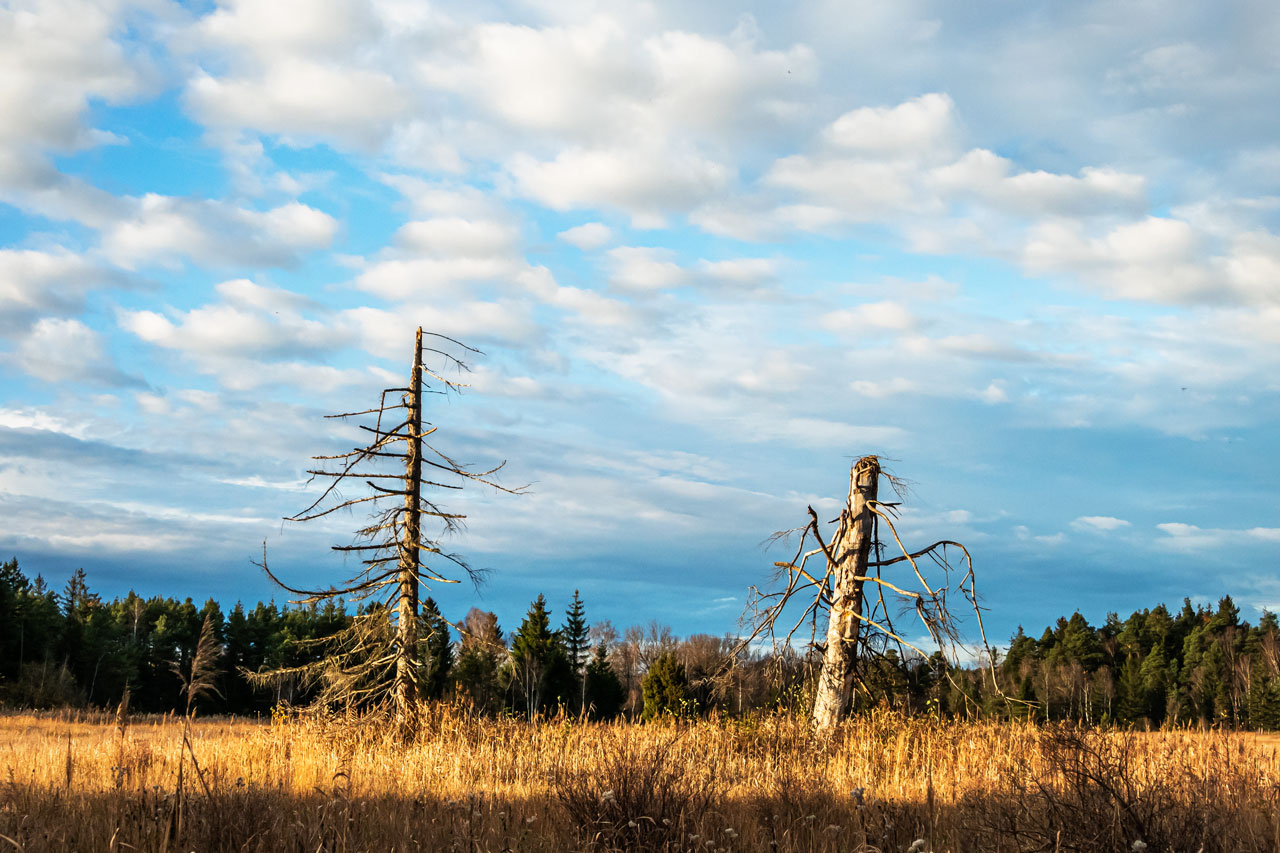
point(406, 683)
point(373, 662)
point(859, 619)
point(847, 563)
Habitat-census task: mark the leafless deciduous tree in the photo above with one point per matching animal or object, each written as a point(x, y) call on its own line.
point(827, 580)
point(379, 656)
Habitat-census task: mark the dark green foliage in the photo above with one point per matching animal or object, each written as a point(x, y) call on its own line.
point(437, 654)
point(574, 634)
point(666, 689)
point(540, 675)
point(1200, 665)
point(77, 649)
point(604, 694)
point(475, 675)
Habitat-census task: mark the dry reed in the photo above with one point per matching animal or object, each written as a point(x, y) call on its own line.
point(881, 783)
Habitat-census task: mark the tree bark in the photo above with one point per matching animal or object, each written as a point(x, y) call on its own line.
point(851, 550)
point(406, 683)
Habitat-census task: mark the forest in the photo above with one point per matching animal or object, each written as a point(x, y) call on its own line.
point(1197, 665)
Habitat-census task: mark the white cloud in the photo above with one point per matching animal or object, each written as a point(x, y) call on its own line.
point(383, 333)
point(163, 229)
point(883, 315)
point(588, 236)
point(921, 127)
point(740, 271)
point(34, 281)
point(54, 58)
point(1105, 523)
point(1191, 537)
point(595, 82)
point(299, 98)
point(66, 350)
point(644, 269)
point(442, 278)
point(457, 236)
point(231, 330)
point(1161, 259)
point(648, 183)
point(245, 293)
point(315, 28)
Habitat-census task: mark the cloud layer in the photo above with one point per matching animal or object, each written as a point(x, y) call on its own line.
point(710, 258)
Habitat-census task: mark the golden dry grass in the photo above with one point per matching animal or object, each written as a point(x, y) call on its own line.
point(78, 783)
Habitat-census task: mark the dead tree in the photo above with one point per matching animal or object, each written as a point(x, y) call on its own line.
point(376, 660)
point(859, 621)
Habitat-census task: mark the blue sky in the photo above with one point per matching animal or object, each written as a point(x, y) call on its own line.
point(1028, 252)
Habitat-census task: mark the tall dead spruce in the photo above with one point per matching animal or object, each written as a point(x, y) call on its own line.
point(375, 657)
point(860, 621)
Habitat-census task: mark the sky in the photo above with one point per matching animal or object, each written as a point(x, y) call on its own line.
point(1026, 252)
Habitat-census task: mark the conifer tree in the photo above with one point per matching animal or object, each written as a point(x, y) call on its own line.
point(603, 693)
point(574, 634)
point(438, 655)
point(481, 651)
point(665, 688)
point(539, 665)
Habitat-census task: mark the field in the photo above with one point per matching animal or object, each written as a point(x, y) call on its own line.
point(76, 782)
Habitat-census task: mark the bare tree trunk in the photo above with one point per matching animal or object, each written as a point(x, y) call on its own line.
point(406, 683)
point(850, 549)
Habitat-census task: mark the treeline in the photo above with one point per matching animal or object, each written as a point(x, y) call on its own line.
point(73, 648)
point(1202, 665)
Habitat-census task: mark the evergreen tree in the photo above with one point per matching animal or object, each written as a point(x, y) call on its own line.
point(13, 590)
point(475, 675)
point(574, 634)
point(437, 652)
point(665, 688)
point(603, 693)
point(1155, 685)
point(1131, 704)
point(540, 675)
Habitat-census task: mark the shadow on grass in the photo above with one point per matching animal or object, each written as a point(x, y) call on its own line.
point(239, 818)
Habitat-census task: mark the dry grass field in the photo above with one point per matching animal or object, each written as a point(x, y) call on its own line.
point(881, 783)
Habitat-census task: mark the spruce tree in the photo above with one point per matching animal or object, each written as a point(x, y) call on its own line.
point(475, 675)
point(437, 652)
point(665, 688)
point(574, 634)
point(603, 693)
point(539, 665)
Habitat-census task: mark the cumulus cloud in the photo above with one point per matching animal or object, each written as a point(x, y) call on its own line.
point(164, 229)
point(54, 58)
point(296, 98)
point(588, 236)
point(596, 83)
point(62, 350)
point(922, 127)
point(458, 236)
point(250, 323)
point(649, 182)
point(42, 282)
point(882, 315)
point(644, 269)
